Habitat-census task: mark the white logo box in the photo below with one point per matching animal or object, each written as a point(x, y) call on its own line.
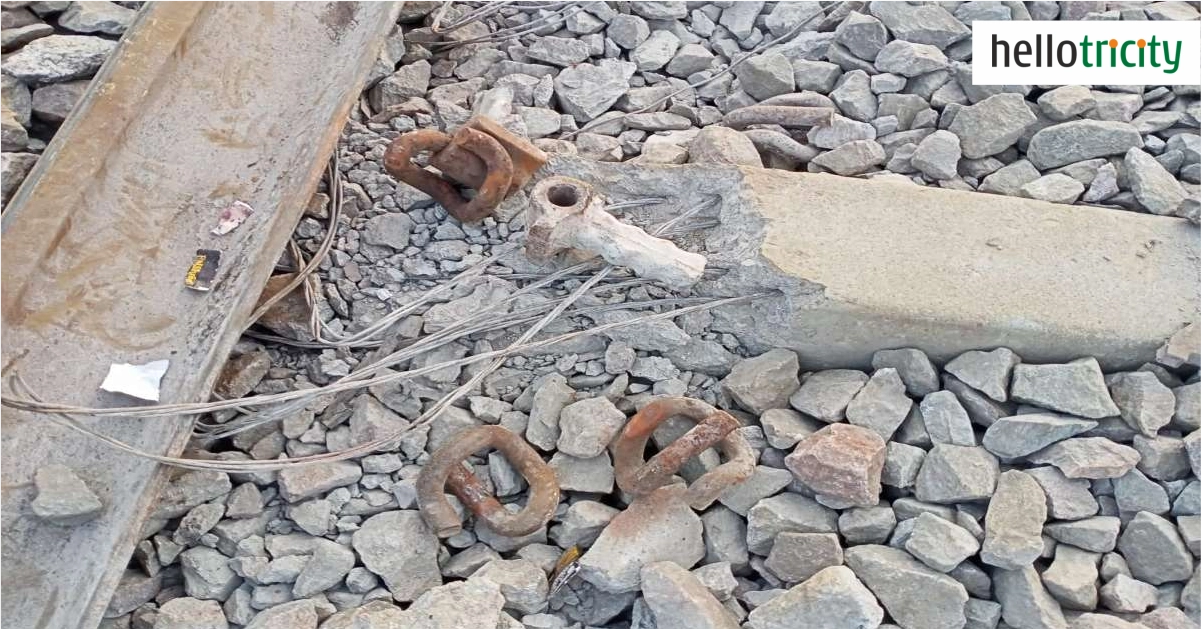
point(1047, 44)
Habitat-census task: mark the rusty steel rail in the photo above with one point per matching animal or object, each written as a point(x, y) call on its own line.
point(200, 105)
point(445, 470)
point(714, 428)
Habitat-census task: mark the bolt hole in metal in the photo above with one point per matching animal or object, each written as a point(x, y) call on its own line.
point(563, 195)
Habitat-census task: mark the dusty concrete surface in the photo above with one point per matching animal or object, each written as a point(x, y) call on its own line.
point(868, 265)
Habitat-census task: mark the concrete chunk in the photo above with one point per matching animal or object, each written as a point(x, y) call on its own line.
point(769, 217)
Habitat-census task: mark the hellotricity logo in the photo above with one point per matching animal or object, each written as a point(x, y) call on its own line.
point(1088, 53)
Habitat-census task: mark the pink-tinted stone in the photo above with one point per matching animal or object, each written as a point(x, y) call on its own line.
point(841, 461)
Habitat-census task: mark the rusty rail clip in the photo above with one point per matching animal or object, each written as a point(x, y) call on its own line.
point(482, 155)
point(445, 471)
point(713, 427)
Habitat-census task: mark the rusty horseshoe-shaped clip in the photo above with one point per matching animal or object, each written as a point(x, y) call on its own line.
point(713, 427)
point(482, 155)
point(445, 471)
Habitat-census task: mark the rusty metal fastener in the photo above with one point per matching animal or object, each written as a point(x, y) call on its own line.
point(482, 155)
point(713, 427)
point(445, 471)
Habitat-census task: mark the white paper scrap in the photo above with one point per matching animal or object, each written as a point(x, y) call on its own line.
point(231, 217)
point(140, 381)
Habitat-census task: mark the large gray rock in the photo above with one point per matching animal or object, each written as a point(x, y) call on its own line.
point(391, 229)
point(795, 557)
point(852, 158)
point(586, 427)
point(765, 381)
point(13, 169)
point(1077, 388)
point(861, 34)
point(471, 603)
point(913, 366)
point(628, 31)
point(1009, 180)
point(854, 97)
point(826, 394)
point(1064, 103)
point(656, 51)
point(1154, 551)
point(53, 103)
point(1154, 187)
point(786, 512)
point(1013, 526)
point(558, 51)
point(937, 155)
point(1135, 492)
point(16, 97)
point(765, 76)
point(1025, 602)
point(58, 58)
point(939, 543)
point(1020, 435)
point(586, 91)
point(206, 574)
point(831, 599)
point(909, 59)
point(96, 16)
point(657, 527)
point(325, 569)
point(63, 498)
point(915, 596)
point(840, 131)
point(1126, 595)
point(763, 482)
point(299, 614)
point(924, 24)
point(1096, 534)
point(953, 474)
point(298, 483)
point(409, 81)
point(992, 125)
point(188, 490)
point(550, 398)
point(1072, 577)
point(1088, 457)
point(946, 421)
point(740, 17)
point(1067, 498)
point(400, 548)
point(191, 613)
point(521, 581)
point(723, 145)
point(881, 405)
point(1054, 188)
point(725, 538)
point(679, 600)
point(1075, 141)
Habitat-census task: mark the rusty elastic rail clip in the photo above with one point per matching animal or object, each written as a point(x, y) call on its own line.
point(713, 427)
point(445, 471)
point(482, 155)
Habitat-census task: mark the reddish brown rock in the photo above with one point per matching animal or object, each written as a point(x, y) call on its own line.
point(841, 461)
